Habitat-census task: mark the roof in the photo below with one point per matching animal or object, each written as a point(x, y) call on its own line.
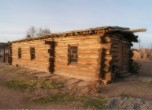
point(91, 31)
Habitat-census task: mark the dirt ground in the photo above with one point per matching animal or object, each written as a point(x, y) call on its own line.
point(134, 86)
point(15, 99)
point(146, 68)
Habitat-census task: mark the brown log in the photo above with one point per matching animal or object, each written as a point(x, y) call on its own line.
point(108, 76)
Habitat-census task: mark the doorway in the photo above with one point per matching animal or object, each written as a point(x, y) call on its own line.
point(51, 52)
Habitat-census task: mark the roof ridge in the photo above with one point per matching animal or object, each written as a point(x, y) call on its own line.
point(89, 31)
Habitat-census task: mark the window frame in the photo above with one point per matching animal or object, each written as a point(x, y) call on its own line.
point(70, 49)
point(32, 54)
point(19, 53)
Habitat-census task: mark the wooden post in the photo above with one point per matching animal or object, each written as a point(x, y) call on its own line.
point(9, 53)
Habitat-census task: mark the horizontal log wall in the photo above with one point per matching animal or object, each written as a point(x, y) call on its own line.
point(95, 57)
point(88, 57)
point(89, 51)
point(41, 61)
point(121, 51)
point(120, 54)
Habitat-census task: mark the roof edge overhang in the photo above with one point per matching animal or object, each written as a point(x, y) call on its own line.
point(91, 31)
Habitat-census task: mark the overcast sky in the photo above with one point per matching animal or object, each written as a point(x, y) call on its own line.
point(16, 16)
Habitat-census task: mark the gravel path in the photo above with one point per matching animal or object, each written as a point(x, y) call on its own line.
point(128, 103)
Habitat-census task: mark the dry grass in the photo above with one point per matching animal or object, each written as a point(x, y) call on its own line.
point(88, 102)
point(32, 84)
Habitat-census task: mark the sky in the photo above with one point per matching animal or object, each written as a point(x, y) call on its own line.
point(17, 16)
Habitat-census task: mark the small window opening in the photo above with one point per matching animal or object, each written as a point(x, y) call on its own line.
point(19, 53)
point(32, 53)
point(73, 54)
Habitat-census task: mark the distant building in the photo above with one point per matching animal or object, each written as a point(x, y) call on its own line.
point(4, 52)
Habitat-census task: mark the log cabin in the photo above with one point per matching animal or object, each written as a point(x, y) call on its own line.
point(95, 54)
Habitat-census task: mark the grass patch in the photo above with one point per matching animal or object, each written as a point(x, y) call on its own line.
point(32, 84)
point(124, 95)
point(58, 98)
point(97, 103)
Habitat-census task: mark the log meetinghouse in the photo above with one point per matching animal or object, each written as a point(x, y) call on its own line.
point(102, 53)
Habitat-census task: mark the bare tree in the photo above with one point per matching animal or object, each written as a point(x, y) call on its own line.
point(31, 32)
point(43, 31)
point(28, 36)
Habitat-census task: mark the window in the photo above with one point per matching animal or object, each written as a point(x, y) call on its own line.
point(32, 53)
point(73, 54)
point(19, 53)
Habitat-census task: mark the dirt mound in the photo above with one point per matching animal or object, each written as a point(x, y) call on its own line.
point(128, 103)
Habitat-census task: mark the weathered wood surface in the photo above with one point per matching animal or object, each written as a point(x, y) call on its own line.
point(88, 55)
point(41, 55)
point(116, 57)
point(96, 55)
